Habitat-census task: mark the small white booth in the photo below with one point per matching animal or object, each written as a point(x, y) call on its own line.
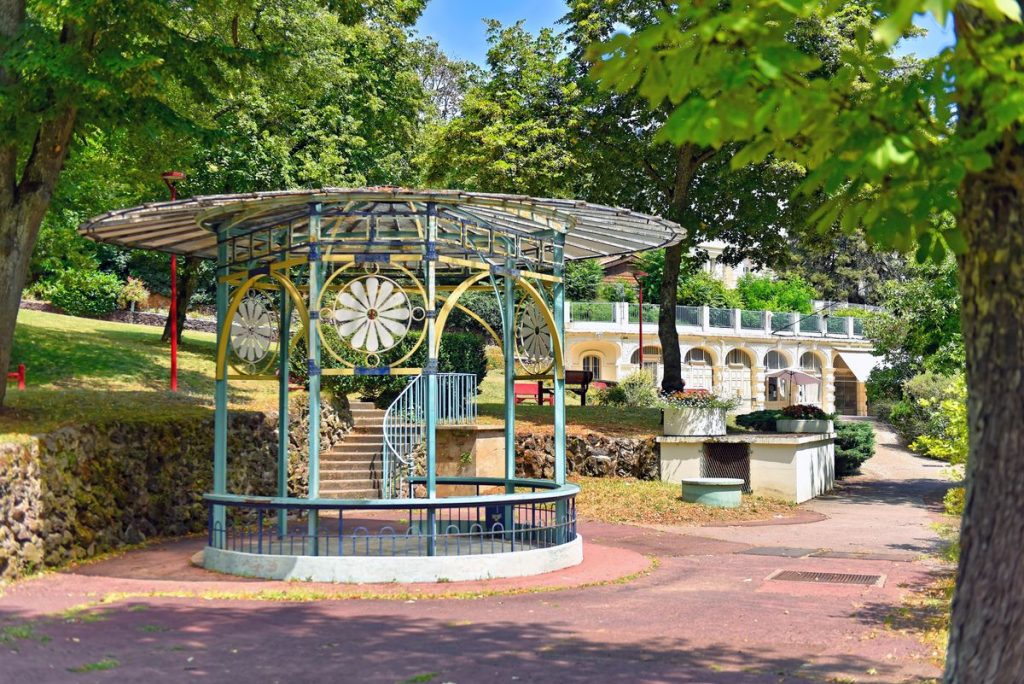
point(792, 467)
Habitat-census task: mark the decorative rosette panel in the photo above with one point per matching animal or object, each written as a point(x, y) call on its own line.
point(254, 334)
point(371, 315)
point(534, 346)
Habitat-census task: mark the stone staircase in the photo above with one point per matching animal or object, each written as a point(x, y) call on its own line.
point(352, 469)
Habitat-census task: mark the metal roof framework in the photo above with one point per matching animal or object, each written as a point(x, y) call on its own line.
point(469, 222)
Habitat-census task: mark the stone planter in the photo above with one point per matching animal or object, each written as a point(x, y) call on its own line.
point(699, 422)
point(719, 492)
point(804, 426)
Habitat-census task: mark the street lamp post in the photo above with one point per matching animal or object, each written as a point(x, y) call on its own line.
point(171, 179)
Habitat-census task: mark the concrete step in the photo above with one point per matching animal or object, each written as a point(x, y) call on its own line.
point(363, 440)
point(352, 449)
point(351, 455)
point(362, 405)
point(350, 494)
point(349, 467)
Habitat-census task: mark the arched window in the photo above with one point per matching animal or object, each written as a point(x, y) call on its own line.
point(697, 357)
point(651, 354)
point(774, 360)
point(810, 363)
point(592, 363)
point(737, 359)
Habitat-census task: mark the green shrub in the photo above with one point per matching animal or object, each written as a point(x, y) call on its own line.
point(945, 434)
point(86, 293)
point(485, 305)
point(617, 292)
point(954, 501)
point(855, 443)
point(762, 421)
point(759, 292)
point(702, 289)
point(133, 292)
point(636, 390)
point(460, 352)
point(805, 412)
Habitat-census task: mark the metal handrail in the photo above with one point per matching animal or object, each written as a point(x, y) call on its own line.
point(405, 421)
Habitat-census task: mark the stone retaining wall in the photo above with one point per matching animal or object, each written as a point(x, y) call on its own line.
point(79, 491)
point(595, 455)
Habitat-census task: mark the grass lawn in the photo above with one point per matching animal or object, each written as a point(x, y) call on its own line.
point(82, 370)
point(626, 500)
point(609, 420)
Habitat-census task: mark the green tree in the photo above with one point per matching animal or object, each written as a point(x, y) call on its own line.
point(918, 327)
point(306, 93)
point(516, 130)
point(67, 66)
point(582, 278)
point(892, 151)
point(693, 183)
point(765, 293)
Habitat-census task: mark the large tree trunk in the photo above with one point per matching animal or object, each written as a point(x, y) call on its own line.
point(22, 208)
point(688, 160)
point(188, 282)
point(987, 631)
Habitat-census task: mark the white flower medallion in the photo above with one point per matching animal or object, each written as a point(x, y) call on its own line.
point(371, 314)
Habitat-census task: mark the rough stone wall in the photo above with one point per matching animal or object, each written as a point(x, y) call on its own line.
point(595, 455)
point(79, 491)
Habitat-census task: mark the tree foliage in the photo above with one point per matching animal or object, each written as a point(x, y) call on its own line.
point(516, 131)
point(891, 149)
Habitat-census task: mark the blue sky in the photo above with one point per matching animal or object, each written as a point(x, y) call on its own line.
point(458, 25)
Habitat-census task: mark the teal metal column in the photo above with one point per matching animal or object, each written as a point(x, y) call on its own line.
point(508, 349)
point(313, 365)
point(430, 371)
point(283, 339)
point(220, 402)
point(558, 335)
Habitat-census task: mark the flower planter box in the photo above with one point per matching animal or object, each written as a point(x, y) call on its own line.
point(804, 426)
point(720, 492)
point(701, 422)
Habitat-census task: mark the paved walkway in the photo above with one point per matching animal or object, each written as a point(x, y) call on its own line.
point(705, 613)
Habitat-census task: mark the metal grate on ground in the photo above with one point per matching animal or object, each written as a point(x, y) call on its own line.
point(827, 577)
point(727, 459)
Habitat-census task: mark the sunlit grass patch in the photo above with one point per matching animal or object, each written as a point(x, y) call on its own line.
point(627, 500)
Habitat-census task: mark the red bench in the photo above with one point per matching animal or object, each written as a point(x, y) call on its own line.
point(531, 390)
point(18, 375)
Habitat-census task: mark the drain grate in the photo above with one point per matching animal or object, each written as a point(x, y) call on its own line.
point(827, 577)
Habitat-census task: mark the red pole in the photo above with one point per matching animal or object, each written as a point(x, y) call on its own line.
point(171, 178)
point(21, 376)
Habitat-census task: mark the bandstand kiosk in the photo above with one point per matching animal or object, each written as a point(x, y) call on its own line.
point(367, 278)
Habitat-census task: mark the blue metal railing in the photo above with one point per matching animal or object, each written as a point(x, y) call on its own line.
point(405, 422)
point(540, 514)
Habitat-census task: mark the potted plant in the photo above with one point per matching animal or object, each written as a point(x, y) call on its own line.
point(804, 418)
point(695, 413)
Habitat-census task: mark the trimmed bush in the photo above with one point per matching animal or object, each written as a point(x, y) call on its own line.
point(86, 293)
point(805, 412)
point(762, 421)
point(855, 443)
point(636, 390)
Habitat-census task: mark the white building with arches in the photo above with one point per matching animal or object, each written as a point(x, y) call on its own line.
point(730, 351)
